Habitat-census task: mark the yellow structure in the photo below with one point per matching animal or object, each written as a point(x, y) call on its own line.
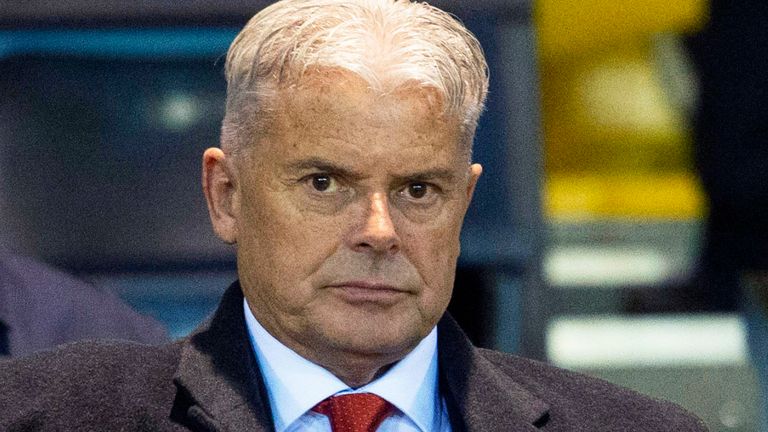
point(617, 142)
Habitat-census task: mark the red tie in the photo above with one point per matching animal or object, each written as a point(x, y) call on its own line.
point(357, 412)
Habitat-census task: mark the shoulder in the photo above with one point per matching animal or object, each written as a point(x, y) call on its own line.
point(51, 302)
point(94, 382)
point(36, 278)
point(578, 399)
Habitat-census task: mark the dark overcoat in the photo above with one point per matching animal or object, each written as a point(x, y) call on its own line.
point(210, 381)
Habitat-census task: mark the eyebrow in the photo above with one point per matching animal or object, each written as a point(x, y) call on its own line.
point(325, 165)
point(432, 174)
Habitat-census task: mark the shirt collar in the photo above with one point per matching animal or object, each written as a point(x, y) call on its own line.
point(297, 385)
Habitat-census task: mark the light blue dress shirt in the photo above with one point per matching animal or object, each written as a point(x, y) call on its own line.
point(295, 385)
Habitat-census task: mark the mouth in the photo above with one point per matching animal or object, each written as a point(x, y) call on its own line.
point(367, 292)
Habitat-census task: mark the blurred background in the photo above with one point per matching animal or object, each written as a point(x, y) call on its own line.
point(619, 229)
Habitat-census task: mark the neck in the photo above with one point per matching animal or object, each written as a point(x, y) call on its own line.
point(357, 375)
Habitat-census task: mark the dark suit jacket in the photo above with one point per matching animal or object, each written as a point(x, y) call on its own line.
point(41, 307)
point(211, 382)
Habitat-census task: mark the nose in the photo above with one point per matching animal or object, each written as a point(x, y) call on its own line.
point(377, 232)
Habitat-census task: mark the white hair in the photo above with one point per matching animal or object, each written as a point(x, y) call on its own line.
point(387, 43)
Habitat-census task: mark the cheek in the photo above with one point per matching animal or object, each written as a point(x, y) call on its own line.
point(281, 240)
point(434, 251)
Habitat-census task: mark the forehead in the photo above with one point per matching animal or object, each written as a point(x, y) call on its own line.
point(333, 106)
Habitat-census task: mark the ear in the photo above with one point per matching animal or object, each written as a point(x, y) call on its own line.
point(221, 194)
point(474, 174)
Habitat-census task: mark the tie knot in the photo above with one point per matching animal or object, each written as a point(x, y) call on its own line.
point(357, 412)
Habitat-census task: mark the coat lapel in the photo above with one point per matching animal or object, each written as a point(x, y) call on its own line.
point(220, 387)
point(480, 395)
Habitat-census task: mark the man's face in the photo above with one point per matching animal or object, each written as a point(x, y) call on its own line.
point(348, 212)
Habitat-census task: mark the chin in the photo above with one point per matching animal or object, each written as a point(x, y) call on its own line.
point(381, 340)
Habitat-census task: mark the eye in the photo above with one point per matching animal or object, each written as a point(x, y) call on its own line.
point(325, 183)
point(417, 190)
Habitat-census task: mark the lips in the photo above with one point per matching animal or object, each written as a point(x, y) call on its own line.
point(367, 291)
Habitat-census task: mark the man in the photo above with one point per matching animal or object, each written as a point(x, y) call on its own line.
point(343, 177)
point(41, 307)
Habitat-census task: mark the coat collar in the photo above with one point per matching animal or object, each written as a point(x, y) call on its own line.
point(218, 379)
point(480, 395)
point(221, 388)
